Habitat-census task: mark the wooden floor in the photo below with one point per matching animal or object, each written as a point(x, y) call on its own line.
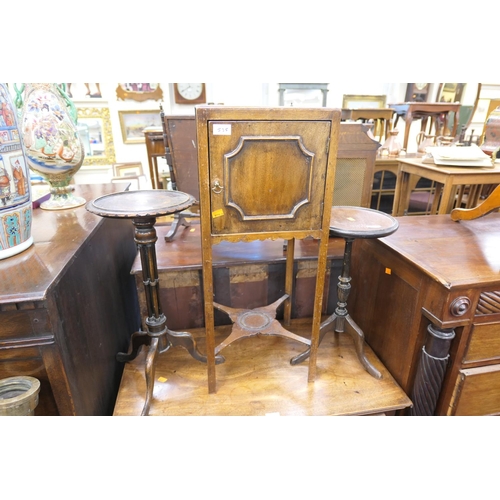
point(257, 379)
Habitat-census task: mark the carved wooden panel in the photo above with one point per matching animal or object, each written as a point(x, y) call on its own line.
point(489, 303)
point(267, 177)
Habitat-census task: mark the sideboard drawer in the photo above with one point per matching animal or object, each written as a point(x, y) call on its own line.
point(477, 391)
point(27, 323)
point(484, 343)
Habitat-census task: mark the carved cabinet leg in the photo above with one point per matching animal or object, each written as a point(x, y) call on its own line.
point(431, 371)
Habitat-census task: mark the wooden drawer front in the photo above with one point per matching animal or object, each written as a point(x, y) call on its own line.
point(484, 343)
point(21, 324)
point(478, 391)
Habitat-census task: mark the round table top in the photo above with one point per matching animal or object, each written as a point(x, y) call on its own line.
point(142, 203)
point(360, 222)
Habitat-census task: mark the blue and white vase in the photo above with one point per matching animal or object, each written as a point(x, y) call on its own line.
point(15, 187)
point(51, 141)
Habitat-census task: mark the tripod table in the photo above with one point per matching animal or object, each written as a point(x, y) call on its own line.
point(143, 207)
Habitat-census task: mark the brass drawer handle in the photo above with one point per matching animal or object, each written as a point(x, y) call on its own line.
point(217, 188)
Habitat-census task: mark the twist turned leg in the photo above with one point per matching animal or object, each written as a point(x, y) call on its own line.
point(431, 370)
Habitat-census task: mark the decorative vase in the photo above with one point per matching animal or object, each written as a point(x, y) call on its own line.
point(15, 188)
point(52, 144)
point(392, 144)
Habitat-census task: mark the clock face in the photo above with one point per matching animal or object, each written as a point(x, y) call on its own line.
point(190, 91)
point(420, 86)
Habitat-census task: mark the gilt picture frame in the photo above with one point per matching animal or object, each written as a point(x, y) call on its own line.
point(139, 92)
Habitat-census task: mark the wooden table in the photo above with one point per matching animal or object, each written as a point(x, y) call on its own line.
point(382, 117)
point(262, 385)
point(448, 180)
point(410, 111)
point(68, 304)
point(435, 283)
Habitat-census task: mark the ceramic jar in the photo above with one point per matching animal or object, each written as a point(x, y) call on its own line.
point(424, 141)
point(53, 148)
point(15, 188)
point(392, 144)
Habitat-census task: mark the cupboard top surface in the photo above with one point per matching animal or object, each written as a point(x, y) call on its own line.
point(464, 253)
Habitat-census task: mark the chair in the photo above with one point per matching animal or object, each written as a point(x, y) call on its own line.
point(490, 204)
point(180, 146)
point(123, 172)
point(265, 173)
point(357, 151)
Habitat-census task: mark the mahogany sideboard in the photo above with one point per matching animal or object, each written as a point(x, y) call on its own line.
point(428, 300)
point(68, 304)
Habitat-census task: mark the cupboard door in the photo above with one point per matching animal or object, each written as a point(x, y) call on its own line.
point(265, 179)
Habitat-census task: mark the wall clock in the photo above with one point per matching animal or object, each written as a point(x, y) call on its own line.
point(189, 93)
point(417, 92)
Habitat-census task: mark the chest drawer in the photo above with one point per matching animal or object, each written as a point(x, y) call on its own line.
point(484, 343)
point(477, 391)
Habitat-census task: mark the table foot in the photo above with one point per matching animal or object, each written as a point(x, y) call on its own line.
point(150, 374)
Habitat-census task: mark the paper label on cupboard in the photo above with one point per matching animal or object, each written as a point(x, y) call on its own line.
point(222, 129)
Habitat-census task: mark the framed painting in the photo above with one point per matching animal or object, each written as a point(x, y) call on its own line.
point(139, 91)
point(133, 123)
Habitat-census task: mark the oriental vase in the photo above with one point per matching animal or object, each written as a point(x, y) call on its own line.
point(15, 188)
point(52, 144)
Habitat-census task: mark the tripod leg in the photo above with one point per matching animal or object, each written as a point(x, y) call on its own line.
point(359, 344)
point(150, 374)
point(323, 330)
point(186, 340)
point(179, 220)
point(137, 340)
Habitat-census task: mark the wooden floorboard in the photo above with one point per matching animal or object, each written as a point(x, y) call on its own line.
point(257, 380)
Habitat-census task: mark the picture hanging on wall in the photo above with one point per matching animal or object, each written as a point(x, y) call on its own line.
point(133, 123)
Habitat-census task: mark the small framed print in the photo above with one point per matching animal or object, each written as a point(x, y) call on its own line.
point(133, 123)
